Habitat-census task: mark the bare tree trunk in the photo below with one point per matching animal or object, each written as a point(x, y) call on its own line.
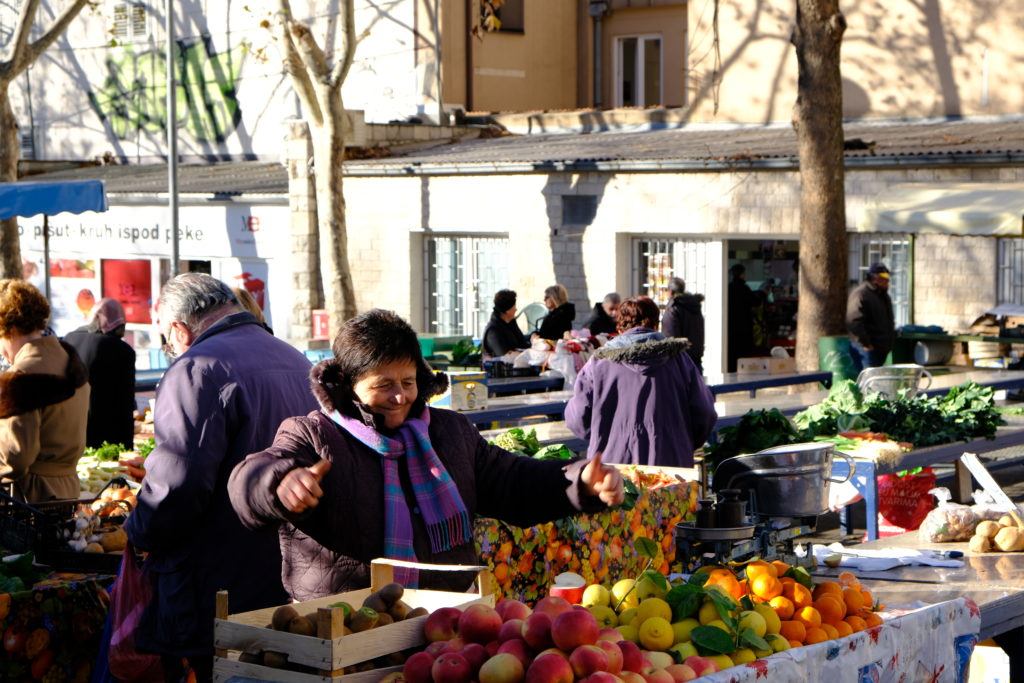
point(10, 246)
point(328, 157)
point(817, 118)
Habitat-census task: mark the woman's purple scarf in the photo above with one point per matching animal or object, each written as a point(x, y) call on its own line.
point(444, 512)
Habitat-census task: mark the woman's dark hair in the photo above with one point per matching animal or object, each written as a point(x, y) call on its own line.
point(638, 311)
point(504, 300)
point(373, 339)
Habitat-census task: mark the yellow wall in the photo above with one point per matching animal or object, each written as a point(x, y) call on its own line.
point(900, 58)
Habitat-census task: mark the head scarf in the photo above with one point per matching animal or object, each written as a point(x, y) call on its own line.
point(109, 315)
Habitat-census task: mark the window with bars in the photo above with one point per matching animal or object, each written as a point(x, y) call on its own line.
point(463, 274)
point(129, 21)
point(895, 251)
point(656, 261)
point(1011, 271)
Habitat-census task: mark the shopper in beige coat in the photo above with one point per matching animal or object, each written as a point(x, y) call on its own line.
point(44, 401)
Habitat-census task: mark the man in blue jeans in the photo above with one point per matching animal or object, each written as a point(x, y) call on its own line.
point(870, 320)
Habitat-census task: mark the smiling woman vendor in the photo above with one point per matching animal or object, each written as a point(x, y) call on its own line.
point(377, 473)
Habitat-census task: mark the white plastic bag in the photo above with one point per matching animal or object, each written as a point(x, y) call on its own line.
point(564, 363)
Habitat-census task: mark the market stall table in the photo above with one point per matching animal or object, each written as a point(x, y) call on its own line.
point(994, 581)
point(729, 382)
point(505, 386)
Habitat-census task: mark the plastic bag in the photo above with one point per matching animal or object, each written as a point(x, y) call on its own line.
point(948, 522)
point(903, 501)
point(564, 363)
point(131, 595)
point(986, 508)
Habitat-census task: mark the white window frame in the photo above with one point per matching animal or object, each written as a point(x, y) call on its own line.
point(640, 76)
point(130, 34)
point(880, 247)
point(1010, 272)
point(472, 303)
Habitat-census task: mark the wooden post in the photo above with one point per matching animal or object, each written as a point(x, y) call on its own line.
point(221, 612)
point(330, 624)
point(380, 575)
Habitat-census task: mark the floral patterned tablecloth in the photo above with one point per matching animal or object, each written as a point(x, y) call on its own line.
point(52, 632)
point(599, 547)
point(932, 644)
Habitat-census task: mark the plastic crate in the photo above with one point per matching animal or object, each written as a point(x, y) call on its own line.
point(25, 527)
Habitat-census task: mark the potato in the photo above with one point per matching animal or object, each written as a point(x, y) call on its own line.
point(113, 541)
point(94, 548)
point(1009, 539)
point(988, 529)
point(1007, 520)
point(980, 544)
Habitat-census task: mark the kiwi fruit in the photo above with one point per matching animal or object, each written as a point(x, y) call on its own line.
point(375, 602)
point(418, 612)
point(363, 620)
point(399, 610)
point(283, 616)
point(345, 607)
point(383, 619)
point(302, 626)
point(251, 657)
point(275, 660)
point(391, 593)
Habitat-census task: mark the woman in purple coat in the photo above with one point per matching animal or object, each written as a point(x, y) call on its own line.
point(640, 399)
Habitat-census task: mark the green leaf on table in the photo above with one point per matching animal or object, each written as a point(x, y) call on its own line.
point(698, 578)
point(631, 495)
point(645, 547)
point(657, 578)
point(746, 603)
point(684, 600)
point(749, 637)
point(801, 576)
point(725, 606)
point(711, 640)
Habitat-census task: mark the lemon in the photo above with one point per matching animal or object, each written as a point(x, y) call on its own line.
point(684, 650)
point(771, 619)
point(656, 634)
point(596, 595)
point(778, 643)
point(761, 654)
point(722, 662)
point(707, 613)
point(628, 616)
point(653, 607)
point(744, 655)
point(646, 587)
point(752, 620)
point(718, 623)
point(623, 594)
point(682, 629)
point(605, 616)
point(630, 633)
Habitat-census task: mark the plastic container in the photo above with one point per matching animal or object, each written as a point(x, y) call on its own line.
point(834, 355)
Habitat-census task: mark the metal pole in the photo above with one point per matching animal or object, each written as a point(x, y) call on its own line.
point(172, 139)
point(46, 255)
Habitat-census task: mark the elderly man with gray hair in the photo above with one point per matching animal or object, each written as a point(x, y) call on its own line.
point(230, 386)
point(602, 317)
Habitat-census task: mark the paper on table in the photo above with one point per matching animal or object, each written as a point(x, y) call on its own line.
point(882, 559)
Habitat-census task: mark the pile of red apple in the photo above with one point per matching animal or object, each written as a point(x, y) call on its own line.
point(554, 643)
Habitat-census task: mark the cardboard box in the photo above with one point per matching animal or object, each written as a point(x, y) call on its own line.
point(765, 365)
point(466, 391)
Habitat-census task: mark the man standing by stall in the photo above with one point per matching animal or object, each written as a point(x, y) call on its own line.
point(870, 320)
point(232, 384)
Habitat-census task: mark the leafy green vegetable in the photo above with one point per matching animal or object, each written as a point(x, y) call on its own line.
point(631, 495)
point(19, 573)
point(555, 451)
point(464, 351)
point(712, 640)
point(107, 452)
point(518, 440)
point(145, 448)
point(757, 430)
point(839, 412)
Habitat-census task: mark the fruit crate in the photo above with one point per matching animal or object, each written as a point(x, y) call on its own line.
point(330, 652)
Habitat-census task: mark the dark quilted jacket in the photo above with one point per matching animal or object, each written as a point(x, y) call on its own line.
point(328, 550)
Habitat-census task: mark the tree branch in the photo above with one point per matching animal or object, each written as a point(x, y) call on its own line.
point(294, 66)
point(59, 26)
point(342, 66)
point(26, 17)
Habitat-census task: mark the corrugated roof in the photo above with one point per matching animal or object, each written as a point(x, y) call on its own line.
point(907, 143)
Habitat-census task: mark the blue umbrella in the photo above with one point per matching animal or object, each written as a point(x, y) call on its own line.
point(29, 198)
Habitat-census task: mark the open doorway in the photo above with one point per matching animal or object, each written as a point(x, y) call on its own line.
point(762, 297)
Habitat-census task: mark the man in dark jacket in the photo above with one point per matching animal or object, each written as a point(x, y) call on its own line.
point(870, 319)
point(230, 388)
point(111, 364)
point(602, 318)
point(742, 301)
point(683, 318)
point(502, 333)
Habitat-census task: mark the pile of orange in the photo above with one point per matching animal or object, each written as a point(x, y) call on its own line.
point(832, 610)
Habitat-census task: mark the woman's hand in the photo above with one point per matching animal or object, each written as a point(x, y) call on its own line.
point(134, 468)
point(603, 481)
point(300, 489)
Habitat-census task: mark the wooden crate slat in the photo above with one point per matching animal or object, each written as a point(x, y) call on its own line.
point(307, 650)
point(225, 669)
point(374, 675)
point(261, 617)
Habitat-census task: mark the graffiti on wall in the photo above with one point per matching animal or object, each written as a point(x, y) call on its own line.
point(133, 97)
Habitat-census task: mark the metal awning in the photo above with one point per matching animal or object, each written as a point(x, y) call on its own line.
point(991, 209)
